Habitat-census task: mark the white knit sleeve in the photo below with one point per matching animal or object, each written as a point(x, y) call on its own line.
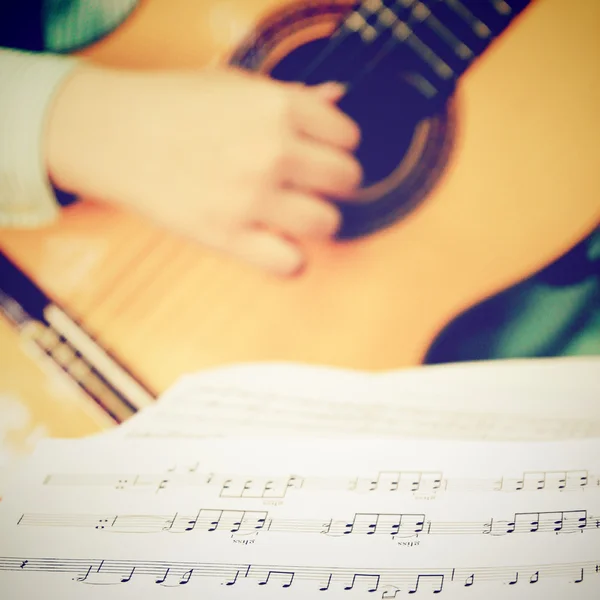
point(28, 82)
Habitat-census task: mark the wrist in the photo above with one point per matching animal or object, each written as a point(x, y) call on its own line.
point(64, 134)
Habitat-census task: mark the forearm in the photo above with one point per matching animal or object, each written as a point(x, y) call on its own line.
point(29, 82)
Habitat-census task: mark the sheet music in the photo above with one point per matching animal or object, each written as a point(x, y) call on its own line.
point(496, 400)
point(336, 518)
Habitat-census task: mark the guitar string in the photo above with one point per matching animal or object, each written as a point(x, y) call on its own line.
point(403, 35)
point(397, 25)
point(419, 12)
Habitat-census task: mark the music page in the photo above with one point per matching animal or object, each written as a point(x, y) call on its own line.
point(543, 399)
point(289, 518)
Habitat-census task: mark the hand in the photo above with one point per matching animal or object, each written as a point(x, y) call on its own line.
point(234, 160)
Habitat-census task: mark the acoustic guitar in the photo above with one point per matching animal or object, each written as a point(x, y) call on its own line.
point(481, 122)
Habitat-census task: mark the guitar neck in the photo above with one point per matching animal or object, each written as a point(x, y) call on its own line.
point(439, 38)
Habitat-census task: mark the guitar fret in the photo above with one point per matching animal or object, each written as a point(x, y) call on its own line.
point(358, 20)
point(387, 17)
point(460, 49)
point(479, 28)
point(492, 14)
point(404, 33)
point(502, 7)
point(369, 33)
point(359, 17)
point(445, 36)
point(357, 23)
point(372, 6)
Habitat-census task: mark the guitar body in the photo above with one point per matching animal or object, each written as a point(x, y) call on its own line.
point(519, 188)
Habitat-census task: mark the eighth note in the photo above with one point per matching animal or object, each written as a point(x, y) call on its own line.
point(288, 576)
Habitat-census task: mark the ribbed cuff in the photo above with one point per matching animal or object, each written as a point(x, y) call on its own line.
point(28, 83)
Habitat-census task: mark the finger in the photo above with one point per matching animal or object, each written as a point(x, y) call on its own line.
point(323, 170)
point(268, 251)
point(320, 119)
point(300, 215)
point(332, 91)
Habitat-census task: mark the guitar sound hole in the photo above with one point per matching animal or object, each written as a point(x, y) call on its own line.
point(405, 140)
point(377, 106)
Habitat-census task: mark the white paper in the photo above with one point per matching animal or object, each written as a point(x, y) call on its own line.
point(544, 399)
point(304, 519)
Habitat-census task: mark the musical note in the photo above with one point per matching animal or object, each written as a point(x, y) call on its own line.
point(535, 577)
point(534, 481)
point(326, 527)
point(436, 582)
point(164, 577)
point(287, 576)
point(387, 524)
point(214, 518)
point(191, 523)
point(557, 521)
point(366, 523)
point(324, 576)
point(127, 578)
point(397, 492)
point(186, 577)
point(82, 578)
point(324, 588)
point(573, 520)
point(548, 480)
point(404, 481)
point(368, 580)
point(262, 521)
point(259, 487)
point(237, 523)
point(406, 525)
point(105, 574)
point(386, 482)
point(488, 528)
point(168, 526)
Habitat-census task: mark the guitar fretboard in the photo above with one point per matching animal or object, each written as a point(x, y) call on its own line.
point(442, 37)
